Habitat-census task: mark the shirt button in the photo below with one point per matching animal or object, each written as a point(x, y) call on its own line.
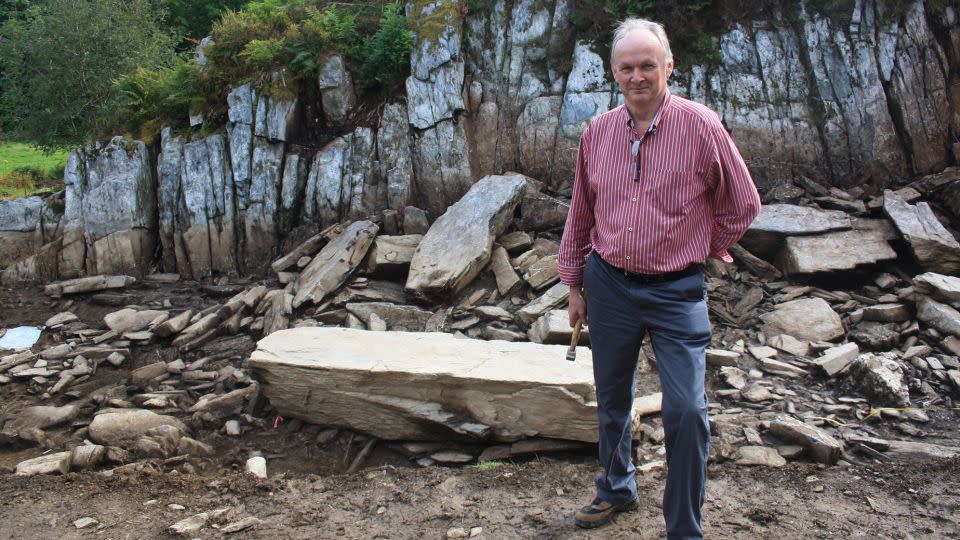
point(628, 257)
point(634, 199)
point(630, 229)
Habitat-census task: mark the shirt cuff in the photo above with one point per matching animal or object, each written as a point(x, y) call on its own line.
point(723, 255)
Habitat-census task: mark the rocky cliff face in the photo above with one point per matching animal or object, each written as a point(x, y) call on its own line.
point(865, 102)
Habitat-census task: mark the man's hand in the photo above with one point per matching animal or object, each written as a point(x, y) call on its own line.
point(577, 310)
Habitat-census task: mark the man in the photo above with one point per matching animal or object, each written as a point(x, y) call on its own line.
point(659, 188)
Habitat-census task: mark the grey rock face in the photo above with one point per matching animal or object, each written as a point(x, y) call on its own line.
point(344, 180)
point(436, 81)
point(459, 243)
point(274, 118)
point(21, 215)
point(260, 219)
point(291, 190)
point(393, 146)
point(441, 161)
point(110, 209)
point(336, 89)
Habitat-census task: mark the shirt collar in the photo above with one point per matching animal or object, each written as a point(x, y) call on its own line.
point(655, 123)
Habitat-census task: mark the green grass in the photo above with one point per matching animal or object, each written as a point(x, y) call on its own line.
point(487, 465)
point(25, 170)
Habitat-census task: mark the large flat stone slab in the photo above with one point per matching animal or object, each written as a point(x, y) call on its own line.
point(844, 250)
point(428, 386)
point(776, 221)
point(459, 244)
point(933, 245)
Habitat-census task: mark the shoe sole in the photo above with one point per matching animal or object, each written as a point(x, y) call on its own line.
point(625, 507)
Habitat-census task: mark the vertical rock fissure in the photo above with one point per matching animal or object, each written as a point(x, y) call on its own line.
point(814, 98)
point(893, 106)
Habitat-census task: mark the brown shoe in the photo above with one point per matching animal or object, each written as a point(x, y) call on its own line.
point(600, 512)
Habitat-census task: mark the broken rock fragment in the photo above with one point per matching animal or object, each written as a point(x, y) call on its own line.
point(881, 377)
point(329, 269)
point(933, 245)
point(460, 242)
point(821, 445)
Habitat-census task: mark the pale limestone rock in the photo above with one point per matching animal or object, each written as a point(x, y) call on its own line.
point(392, 253)
point(759, 455)
point(843, 250)
point(397, 317)
point(881, 377)
point(809, 319)
point(476, 389)
point(542, 273)
point(60, 319)
point(886, 313)
point(48, 464)
point(554, 327)
point(775, 221)
point(835, 360)
point(192, 525)
point(821, 445)
point(441, 163)
point(735, 377)
point(719, 357)
point(393, 147)
point(329, 269)
point(123, 427)
point(506, 276)
point(131, 320)
point(459, 244)
point(88, 284)
point(940, 316)
point(789, 344)
point(336, 89)
point(939, 286)
point(554, 298)
point(932, 244)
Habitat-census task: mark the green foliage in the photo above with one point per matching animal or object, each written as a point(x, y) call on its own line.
point(193, 19)
point(383, 57)
point(60, 60)
point(148, 100)
point(692, 25)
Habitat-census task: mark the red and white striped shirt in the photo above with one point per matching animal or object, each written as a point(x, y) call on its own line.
point(689, 197)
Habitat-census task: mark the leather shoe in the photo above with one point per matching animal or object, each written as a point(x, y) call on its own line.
point(600, 512)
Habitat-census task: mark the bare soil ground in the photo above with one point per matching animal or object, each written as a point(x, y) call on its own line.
point(309, 495)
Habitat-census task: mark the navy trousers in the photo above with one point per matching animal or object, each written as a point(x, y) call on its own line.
point(674, 313)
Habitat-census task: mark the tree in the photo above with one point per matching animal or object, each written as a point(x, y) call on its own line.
point(194, 18)
point(59, 62)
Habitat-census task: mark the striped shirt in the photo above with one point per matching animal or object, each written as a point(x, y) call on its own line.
point(657, 202)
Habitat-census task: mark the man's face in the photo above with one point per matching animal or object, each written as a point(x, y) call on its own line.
point(641, 69)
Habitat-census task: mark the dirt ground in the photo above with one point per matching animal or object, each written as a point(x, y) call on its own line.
point(309, 495)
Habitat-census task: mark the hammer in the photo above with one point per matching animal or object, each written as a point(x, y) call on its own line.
point(574, 339)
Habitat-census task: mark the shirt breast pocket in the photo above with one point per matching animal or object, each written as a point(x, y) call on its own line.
point(672, 191)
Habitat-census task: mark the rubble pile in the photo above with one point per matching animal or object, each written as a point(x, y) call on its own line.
point(828, 345)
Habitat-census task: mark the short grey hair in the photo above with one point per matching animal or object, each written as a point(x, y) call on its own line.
point(635, 23)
